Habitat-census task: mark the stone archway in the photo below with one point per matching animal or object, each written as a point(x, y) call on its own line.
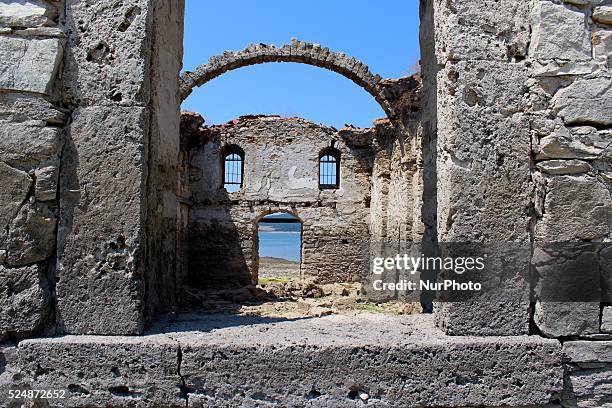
point(299, 52)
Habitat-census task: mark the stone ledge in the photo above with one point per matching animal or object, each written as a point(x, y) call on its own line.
point(331, 361)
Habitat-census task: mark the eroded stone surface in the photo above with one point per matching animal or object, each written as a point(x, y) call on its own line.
point(31, 236)
point(25, 145)
point(556, 319)
point(105, 371)
point(14, 189)
point(585, 101)
point(102, 180)
point(29, 64)
point(559, 33)
point(382, 355)
point(24, 301)
point(27, 13)
point(568, 219)
point(606, 320)
point(588, 373)
point(587, 351)
point(563, 166)
point(582, 142)
point(108, 52)
point(230, 361)
point(603, 15)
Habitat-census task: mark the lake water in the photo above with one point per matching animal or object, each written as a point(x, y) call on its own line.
point(285, 245)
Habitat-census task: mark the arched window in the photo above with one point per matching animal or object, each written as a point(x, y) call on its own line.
point(329, 169)
point(233, 168)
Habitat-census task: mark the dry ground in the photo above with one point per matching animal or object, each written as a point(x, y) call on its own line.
point(281, 293)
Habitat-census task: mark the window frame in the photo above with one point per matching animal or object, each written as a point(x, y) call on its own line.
point(227, 152)
point(335, 153)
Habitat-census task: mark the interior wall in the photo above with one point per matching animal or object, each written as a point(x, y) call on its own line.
point(281, 174)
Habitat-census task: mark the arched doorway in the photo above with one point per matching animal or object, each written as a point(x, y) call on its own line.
point(279, 247)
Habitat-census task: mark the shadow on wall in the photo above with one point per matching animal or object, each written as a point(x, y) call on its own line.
point(217, 254)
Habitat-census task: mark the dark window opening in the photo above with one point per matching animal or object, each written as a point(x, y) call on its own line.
point(233, 169)
point(329, 169)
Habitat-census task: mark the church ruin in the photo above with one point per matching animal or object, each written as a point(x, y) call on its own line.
point(111, 200)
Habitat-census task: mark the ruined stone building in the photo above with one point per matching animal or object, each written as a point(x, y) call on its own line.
point(111, 200)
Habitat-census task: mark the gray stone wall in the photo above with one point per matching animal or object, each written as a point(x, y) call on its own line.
point(570, 104)
point(281, 174)
point(483, 145)
point(120, 75)
point(31, 120)
point(85, 162)
point(525, 104)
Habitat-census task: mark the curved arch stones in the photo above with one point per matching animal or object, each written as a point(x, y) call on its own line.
point(297, 51)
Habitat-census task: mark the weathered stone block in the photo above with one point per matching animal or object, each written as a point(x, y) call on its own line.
point(27, 13)
point(559, 33)
point(481, 132)
point(588, 387)
point(109, 52)
point(606, 320)
point(588, 373)
point(603, 15)
point(29, 64)
point(25, 145)
point(585, 101)
point(46, 182)
point(561, 319)
point(582, 142)
point(100, 288)
point(587, 351)
point(24, 301)
point(408, 363)
point(14, 189)
point(19, 108)
point(602, 47)
point(31, 236)
point(486, 30)
point(558, 167)
point(105, 371)
point(567, 218)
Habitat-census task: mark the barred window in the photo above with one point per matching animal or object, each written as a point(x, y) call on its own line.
point(233, 169)
point(329, 169)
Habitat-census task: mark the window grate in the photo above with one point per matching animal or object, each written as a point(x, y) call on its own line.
point(233, 169)
point(329, 172)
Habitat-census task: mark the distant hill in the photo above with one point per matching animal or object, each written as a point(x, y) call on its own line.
point(280, 227)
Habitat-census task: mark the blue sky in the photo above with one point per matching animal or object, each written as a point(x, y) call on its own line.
point(382, 34)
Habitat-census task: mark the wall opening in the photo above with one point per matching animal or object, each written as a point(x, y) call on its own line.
point(279, 246)
point(342, 180)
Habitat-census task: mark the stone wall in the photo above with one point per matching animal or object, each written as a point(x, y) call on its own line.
point(281, 175)
point(85, 163)
point(526, 103)
point(570, 104)
point(31, 121)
